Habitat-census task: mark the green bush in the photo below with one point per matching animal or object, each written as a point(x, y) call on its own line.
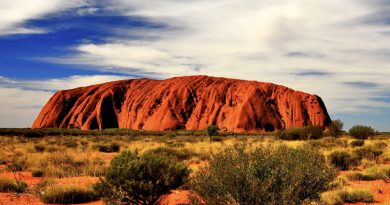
point(357, 143)
point(180, 154)
point(335, 128)
point(368, 152)
point(301, 133)
point(68, 195)
point(263, 175)
point(113, 147)
point(361, 132)
point(134, 179)
point(344, 160)
point(10, 185)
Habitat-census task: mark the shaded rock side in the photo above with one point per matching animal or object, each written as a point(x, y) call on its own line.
point(190, 103)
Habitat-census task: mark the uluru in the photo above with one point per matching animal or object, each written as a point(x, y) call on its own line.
point(189, 102)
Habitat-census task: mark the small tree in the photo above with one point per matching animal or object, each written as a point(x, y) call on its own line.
point(361, 132)
point(134, 179)
point(335, 128)
point(212, 130)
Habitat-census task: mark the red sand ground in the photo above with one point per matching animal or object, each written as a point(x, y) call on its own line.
point(379, 188)
point(177, 196)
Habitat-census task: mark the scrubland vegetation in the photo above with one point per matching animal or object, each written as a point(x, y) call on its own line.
point(295, 166)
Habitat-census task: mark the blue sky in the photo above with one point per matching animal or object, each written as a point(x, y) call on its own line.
point(338, 50)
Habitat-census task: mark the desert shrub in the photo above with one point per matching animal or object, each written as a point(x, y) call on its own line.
point(301, 133)
point(367, 163)
point(263, 175)
point(3, 161)
point(175, 144)
point(328, 142)
point(344, 160)
point(180, 154)
point(368, 152)
point(34, 134)
point(340, 181)
point(217, 139)
point(386, 156)
point(332, 198)
point(52, 148)
point(71, 144)
point(67, 165)
point(18, 163)
point(10, 185)
point(339, 197)
point(68, 195)
point(42, 186)
point(134, 179)
point(212, 130)
point(84, 143)
point(354, 196)
point(357, 143)
point(373, 173)
point(335, 128)
point(37, 173)
point(39, 147)
point(380, 145)
point(361, 132)
point(113, 147)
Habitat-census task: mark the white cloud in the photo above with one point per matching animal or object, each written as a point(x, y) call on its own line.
point(22, 100)
point(253, 39)
point(14, 13)
point(264, 40)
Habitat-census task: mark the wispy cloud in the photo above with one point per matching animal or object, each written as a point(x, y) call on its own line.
point(336, 49)
point(22, 100)
point(16, 13)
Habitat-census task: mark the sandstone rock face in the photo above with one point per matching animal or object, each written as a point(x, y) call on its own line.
point(190, 103)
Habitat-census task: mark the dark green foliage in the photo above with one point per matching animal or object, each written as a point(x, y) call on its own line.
point(344, 160)
point(361, 132)
point(301, 133)
point(180, 154)
point(357, 143)
point(134, 179)
point(9, 185)
point(335, 128)
point(212, 130)
point(264, 175)
point(368, 152)
point(68, 195)
point(113, 147)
